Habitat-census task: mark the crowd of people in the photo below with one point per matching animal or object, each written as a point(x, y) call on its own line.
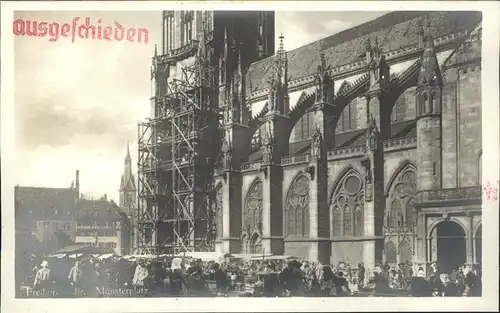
point(178, 277)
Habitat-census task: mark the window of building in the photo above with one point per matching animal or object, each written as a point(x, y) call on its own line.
point(297, 208)
point(399, 109)
point(169, 30)
point(187, 26)
point(347, 206)
point(400, 209)
point(256, 142)
point(261, 19)
point(252, 218)
point(348, 119)
point(304, 128)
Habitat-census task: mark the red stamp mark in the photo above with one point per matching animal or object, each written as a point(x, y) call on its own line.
point(87, 30)
point(490, 191)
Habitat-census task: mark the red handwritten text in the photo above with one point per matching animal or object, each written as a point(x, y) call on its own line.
point(84, 31)
point(491, 192)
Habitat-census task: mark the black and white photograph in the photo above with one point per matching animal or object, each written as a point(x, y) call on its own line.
point(209, 153)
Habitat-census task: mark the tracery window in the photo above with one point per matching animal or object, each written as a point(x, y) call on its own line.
point(349, 195)
point(401, 198)
point(253, 209)
point(297, 208)
point(218, 210)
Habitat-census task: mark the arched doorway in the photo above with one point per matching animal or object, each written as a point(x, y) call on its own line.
point(451, 245)
point(478, 241)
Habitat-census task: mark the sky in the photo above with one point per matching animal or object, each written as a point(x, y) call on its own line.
point(78, 104)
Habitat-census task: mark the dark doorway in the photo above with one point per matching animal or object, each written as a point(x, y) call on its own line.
point(478, 244)
point(451, 247)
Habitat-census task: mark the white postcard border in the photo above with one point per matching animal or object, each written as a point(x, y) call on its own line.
point(491, 139)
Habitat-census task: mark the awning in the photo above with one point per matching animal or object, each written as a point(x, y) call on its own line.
point(57, 256)
point(106, 256)
point(79, 248)
point(204, 256)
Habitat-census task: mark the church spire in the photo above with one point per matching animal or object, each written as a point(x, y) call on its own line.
point(127, 156)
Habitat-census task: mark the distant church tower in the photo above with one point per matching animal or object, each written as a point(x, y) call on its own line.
point(128, 190)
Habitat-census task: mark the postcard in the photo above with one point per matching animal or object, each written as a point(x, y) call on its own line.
point(301, 153)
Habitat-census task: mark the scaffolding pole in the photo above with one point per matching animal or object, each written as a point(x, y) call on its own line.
point(176, 163)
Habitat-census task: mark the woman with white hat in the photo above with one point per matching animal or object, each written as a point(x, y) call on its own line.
point(178, 285)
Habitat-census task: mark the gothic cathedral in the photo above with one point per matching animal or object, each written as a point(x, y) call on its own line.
point(364, 146)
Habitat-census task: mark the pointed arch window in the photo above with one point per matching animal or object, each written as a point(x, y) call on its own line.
point(297, 208)
point(346, 206)
point(400, 208)
point(253, 208)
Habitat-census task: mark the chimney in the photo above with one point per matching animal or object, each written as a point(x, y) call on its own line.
point(77, 184)
point(106, 197)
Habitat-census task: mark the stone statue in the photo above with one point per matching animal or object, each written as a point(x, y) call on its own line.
point(268, 150)
point(316, 144)
point(372, 135)
point(227, 155)
point(270, 129)
point(368, 179)
point(323, 81)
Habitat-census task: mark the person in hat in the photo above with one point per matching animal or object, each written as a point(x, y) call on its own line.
point(140, 275)
point(178, 284)
point(42, 276)
point(447, 288)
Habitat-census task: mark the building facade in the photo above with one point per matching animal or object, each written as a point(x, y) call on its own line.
point(101, 223)
point(48, 219)
point(368, 151)
point(362, 146)
point(45, 217)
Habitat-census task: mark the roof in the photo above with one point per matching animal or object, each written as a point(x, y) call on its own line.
point(41, 203)
point(393, 31)
point(102, 208)
point(346, 139)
